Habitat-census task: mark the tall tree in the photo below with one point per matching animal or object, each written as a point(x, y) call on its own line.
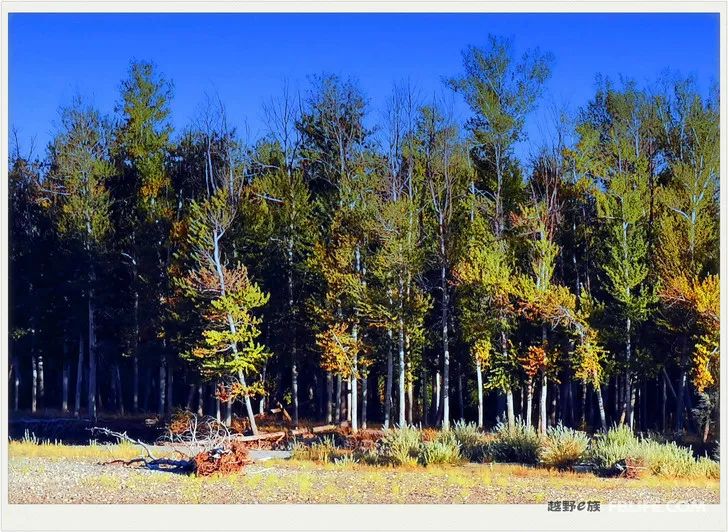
point(79, 173)
point(227, 299)
point(142, 199)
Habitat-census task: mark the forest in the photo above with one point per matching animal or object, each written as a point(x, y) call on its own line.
point(381, 263)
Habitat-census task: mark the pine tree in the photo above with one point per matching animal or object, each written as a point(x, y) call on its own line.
point(226, 299)
point(142, 197)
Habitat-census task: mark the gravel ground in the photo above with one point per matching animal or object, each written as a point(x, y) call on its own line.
point(58, 480)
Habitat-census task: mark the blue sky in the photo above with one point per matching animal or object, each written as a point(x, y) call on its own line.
point(245, 57)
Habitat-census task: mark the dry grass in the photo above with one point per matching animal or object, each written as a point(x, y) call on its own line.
point(93, 451)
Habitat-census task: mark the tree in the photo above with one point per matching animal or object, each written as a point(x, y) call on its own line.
point(485, 277)
point(443, 160)
point(501, 90)
point(80, 171)
point(226, 298)
point(142, 195)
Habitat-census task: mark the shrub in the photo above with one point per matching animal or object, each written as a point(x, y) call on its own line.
point(706, 468)
point(401, 446)
point(621, 451)
point(518, 443)
point(474, 444)
point(610, 449)
point(563, 447)
point(444, 450)
point(666, 460)
point(367, 456)
point(429, 434)
point(321, 451)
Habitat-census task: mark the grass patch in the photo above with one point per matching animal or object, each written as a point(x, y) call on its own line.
point(31, 448)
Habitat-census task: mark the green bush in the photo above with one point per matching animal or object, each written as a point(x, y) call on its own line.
point(563, 447)
point(401, 446)
point(444, 450)
point(518, 443)
point(611, 451)
point(706, 468)
point(473, 443)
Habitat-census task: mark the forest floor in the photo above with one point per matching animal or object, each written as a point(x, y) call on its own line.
point(75, 474)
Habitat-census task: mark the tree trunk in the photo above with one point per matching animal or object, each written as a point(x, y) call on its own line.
point(509, 405)
point(329, 398)
point(337, 408)
point(529, 400)
point(34, 381)
point(410, 400)
point(218, 414)
point(261, 403)
point(364, 394)
point(292, 325)
point(170, 389)
point(119, 389)
point(423, 392)
point(64, 392)
point(41, 381)
point(445, 347)
point(200, 400)
point(135, 381)
point(162, 389)
point(16, 383)
point(627, 399)
point(135, 348)
point(437, 403)
point(461, 403)
point(190, 395)
point(543, 421)
point(602, 413)
point(479, 377)
point(388, 383)
point(664, 403)
point(679, 419)
point(401, 381)
point(91, 356)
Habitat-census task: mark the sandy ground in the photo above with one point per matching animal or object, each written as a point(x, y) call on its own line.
point(34, 480)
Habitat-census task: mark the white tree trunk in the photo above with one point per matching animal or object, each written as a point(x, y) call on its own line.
point(79, 376)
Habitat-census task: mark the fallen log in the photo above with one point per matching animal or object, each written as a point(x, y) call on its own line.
point(260, 436)
point(324, 428)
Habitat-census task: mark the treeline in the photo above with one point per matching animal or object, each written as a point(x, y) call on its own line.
point(414, 272)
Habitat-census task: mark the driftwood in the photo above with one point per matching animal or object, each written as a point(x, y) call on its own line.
point(259, 436)
point(149, 462)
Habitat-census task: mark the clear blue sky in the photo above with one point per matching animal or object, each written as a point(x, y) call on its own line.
point(245, 57)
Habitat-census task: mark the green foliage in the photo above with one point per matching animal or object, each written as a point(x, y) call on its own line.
point(80, 172)
point(401, 446)
point(563, 447)
point(610, 451)
point(474, 445)
point(225, 296)
point(444, 450)
point(517, 443)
